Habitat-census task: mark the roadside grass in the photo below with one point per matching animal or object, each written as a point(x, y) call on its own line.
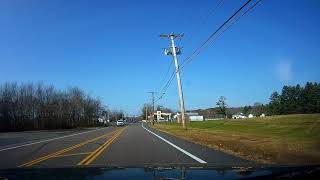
point(285, 139)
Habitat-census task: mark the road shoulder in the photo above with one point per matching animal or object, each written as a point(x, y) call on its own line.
point(211, 156)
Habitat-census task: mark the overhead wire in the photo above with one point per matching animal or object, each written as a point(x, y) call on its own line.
point(214, 33)
point(212, 37)
point(174, 71)
point(167, 72)
point(211, 13)
point(218, 34)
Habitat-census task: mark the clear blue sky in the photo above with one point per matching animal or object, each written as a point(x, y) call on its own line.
point(111, 49)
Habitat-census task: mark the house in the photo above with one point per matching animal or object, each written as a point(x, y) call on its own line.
point(162, 116)
point(191, 116)
point(194, 117)
point(238, 116)
point(102, 119)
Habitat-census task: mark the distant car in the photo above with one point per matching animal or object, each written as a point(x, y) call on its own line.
point(120, 123)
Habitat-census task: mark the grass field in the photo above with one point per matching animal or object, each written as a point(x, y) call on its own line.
point(286, 139)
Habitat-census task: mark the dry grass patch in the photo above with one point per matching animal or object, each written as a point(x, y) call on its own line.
point(290, 139)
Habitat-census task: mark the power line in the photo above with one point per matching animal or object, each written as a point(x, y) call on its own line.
point(211, 13)
point(189, 59)
point(205, 43)
point(165, 76)
point(166, 86)
point(196, 51)
point(172, 75)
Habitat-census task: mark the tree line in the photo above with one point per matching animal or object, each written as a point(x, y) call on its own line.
point(292, 100)
point(36, 106)
point(115, 115)
point(296, 100)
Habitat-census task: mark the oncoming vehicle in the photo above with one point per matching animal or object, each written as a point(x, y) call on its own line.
point(120, 122)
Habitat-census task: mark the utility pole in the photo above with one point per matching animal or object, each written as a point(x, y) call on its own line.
point(108, 115)
point(152, 94)
point(147, 112)
point(174, 51)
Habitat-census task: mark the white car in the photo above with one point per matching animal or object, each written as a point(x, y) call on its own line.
point(120, 123)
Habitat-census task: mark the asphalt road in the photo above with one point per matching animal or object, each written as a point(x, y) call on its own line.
point(134, 145)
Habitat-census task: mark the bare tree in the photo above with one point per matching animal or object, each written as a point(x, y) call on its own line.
point(35, 106)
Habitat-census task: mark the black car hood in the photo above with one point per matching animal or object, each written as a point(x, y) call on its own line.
point(180, 172)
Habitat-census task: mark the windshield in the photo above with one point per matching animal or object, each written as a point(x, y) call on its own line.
point(159, 83)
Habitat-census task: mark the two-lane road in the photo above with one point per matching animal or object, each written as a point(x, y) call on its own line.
point(132, 145)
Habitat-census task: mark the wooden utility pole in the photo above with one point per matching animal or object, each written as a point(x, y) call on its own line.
point(174, 51)
point(152, 113)
point(147, 112)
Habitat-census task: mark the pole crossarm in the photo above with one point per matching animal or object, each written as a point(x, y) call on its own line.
point(171, 35)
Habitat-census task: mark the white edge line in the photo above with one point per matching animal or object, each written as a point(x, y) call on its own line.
point(47, 140)
point(177, 147)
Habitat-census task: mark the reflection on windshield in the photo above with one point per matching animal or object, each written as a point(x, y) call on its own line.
point(155, 173)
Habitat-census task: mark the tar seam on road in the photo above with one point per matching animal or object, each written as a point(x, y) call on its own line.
point(177, 147)
point(92, 156)
point(47, 140)
point(52, 155)
point(74, 154)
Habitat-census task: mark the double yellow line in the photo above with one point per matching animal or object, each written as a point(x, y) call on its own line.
point(58, 153)
point(92, 156)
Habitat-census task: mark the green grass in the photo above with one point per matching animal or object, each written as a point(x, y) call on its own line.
point(290, 126)
point(283, 139)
